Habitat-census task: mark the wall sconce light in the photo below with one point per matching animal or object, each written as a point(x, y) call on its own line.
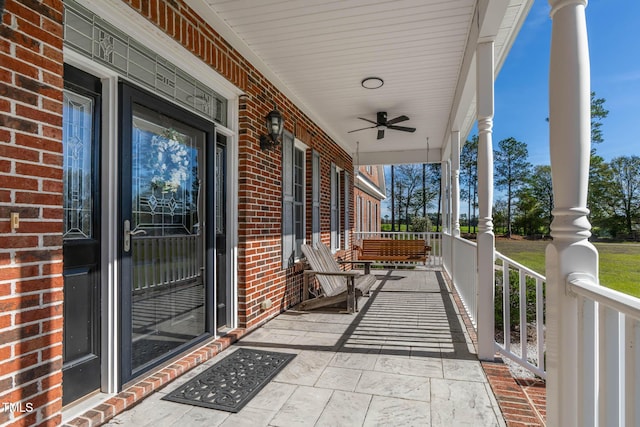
point(275, 126)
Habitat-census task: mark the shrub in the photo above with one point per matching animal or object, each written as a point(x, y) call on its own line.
point(514, 299)
point(421, 223)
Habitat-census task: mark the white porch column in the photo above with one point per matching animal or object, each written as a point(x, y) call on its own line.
point(570, 252)
point(485, 240)
point(455, 183)
point(444, 174)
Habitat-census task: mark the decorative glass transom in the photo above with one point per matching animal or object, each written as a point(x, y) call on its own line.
point(95, 38)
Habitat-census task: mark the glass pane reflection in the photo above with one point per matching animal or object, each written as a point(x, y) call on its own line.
point(168, 301)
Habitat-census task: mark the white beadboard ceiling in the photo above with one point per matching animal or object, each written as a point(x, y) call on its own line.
point(318, 51)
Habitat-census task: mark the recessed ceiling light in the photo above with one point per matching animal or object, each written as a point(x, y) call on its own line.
point(372, 83)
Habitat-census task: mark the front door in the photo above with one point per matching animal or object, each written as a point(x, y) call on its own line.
point(167, 229)
point(81, 238)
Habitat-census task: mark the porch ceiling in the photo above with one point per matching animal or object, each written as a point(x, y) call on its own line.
point(317, 52)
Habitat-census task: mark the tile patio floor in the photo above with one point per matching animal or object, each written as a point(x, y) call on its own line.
point(404, 360)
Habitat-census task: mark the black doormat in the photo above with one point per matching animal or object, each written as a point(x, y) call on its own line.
point(232, 382)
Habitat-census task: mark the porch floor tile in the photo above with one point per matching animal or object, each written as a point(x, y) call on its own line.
point(404, 359)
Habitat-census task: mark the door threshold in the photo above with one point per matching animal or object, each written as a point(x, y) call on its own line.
point(82, 405)
point(221, 332)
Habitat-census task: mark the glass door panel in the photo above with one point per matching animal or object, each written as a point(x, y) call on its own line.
point(168, 295)
point(81, 234)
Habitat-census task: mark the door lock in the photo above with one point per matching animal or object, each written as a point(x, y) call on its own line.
point(128, 233)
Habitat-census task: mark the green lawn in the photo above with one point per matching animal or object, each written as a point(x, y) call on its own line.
point(619, 262)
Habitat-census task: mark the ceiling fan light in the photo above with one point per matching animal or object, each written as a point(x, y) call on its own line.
point(372, 83)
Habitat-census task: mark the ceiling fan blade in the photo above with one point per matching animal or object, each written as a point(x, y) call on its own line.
point(380, 133)
point(367, 120)
point(397, 120)
point(402, 128)
point(356, 130)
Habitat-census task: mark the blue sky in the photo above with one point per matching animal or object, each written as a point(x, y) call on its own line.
point(521, 89)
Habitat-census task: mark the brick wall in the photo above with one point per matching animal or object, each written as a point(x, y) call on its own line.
point(31, 185)
point(363, 223)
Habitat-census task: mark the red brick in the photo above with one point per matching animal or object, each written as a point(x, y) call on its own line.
point(39, 199)
point(38, 115)
point(14, 365)
point(19, 67)
point(52, 268)
point(18, 123)
point(17, 241)
point(25, 346)
point(28, 316)
point(18, 182)
point(38, 142)
point(39, 284)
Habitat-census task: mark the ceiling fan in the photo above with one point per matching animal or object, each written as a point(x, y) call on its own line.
point(382, 123)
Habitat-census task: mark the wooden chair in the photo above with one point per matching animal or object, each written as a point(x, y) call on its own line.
point(336, 285)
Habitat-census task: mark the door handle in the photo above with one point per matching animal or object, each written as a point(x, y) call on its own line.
point(128, 233)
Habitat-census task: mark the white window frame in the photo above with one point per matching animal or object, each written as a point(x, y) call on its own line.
point(358, 214)
point(346, 209)
point(290, 240)
point(376, 222)
point(301, 148)
point(315, 198)
point(335, 207)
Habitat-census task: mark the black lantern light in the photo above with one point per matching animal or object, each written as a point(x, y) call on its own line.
point(275, 126)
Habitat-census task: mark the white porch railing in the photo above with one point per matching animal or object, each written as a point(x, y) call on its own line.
point(165, 260)
point(608, 354)
point(529, 302)
point(433, 239)
point(465, 272)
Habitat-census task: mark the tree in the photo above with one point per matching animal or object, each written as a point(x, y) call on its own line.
point(598, 199)
point(410, 178)
point(469, 175)
point(626, 175)
point(512, 170)
point(413, 189)
point(529, 214)
point(542, 189)
point(500, 214)
point(433, 181)
point(598, 113)
point(601, 199)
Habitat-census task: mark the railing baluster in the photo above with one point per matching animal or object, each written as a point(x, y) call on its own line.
point(632, 361)
point(183, 257)
point(191, 252)
point(587, 409)
point(155, 273)
point(524, 274)
point(506, 305)
point(540, 323)
point(524, 335)
point(609, 366)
